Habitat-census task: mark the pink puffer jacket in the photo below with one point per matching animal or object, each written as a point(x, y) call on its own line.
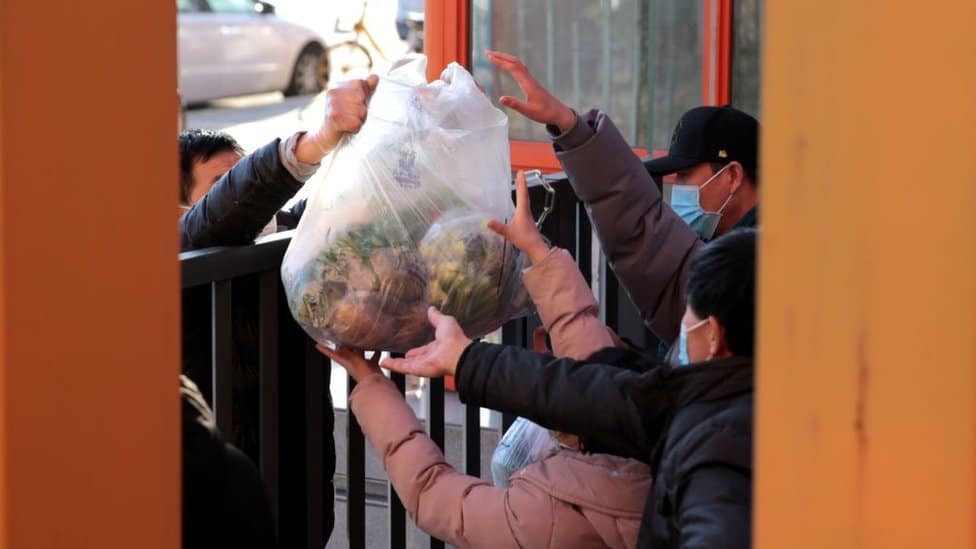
point(568, 499)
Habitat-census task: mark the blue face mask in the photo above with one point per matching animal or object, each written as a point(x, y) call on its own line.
point(685, 201)
point(683, 342)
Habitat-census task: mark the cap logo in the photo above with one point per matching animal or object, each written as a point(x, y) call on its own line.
point(722, 153)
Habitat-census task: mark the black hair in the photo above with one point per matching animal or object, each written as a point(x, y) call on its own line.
point(200, 146)
point(722, 283)
point(749, 170)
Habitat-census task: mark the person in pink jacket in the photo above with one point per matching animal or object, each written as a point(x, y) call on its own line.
point(567, 499)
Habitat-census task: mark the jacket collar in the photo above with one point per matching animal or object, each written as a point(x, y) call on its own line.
point(663, 391)
point(750, 220)
point(709, 380)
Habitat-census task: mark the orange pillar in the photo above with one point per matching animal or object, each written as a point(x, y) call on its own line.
point(445, 34)
point(866, 406)
point(89, 341)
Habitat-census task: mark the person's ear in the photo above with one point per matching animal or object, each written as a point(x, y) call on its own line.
point(717, 345)
point(737, 176)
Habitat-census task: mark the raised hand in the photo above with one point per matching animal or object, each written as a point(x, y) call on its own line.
point(521, 230)
point(439, 357)
point(354, 361)
point(539, 104)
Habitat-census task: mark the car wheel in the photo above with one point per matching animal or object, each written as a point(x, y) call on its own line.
point(311, 72)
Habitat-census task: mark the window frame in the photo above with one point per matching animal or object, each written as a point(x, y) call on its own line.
point(447, 38)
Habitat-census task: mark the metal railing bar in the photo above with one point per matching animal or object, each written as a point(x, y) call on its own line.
point(268, 383)
point(222, 367)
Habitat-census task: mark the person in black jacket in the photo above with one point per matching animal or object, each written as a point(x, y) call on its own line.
point(692, 422)
point(207, 155)
point(247, 196)
point(226, 200)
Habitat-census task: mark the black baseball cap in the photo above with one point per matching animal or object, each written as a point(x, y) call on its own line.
point(710, 134)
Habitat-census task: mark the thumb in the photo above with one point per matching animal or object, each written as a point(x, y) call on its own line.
point(445, 326)
point(372, 81)
point(435, 317)
point(498, 227)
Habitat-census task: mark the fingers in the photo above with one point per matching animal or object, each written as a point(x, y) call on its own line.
point(502, 56)
point(523, 204)
point(406, 366)
point(421, 351)
point(346, 105)
point(346, 357)
point(351, 91)
point(326, 351)
point(521, 106)
point(518, 71)
point(419, 367)
point(506, 62)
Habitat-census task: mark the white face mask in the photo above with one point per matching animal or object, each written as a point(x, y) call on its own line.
point(683, 358)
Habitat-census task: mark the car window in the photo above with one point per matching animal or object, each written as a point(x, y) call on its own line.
point(187, 6)
point(232, 6)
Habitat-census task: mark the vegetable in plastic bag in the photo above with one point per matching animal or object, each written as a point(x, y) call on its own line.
point(473, 272)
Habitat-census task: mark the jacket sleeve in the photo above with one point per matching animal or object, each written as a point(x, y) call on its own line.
point(459, 509)
point(240, 204)
point(647, 244)
point(566, 306)
point(714, 509)
point(588, 399)
point(288, 219)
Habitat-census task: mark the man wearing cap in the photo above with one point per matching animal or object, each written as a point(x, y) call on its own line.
point(648, 242)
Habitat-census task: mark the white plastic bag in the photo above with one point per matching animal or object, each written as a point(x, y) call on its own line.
point(523, 443)
point(399, 221)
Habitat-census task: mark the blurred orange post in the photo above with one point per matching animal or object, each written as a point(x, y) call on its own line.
point(866, 406)
point(445, 34)
point(89, 281)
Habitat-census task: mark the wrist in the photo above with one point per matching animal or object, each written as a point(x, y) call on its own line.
point(366, 375)
point(314, 146)
point(537, 251)
point(567, 120)
point(457, 356)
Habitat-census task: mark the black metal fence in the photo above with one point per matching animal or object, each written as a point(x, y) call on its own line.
point(283, 415)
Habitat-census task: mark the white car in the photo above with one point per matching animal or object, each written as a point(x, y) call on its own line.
point(236, 47)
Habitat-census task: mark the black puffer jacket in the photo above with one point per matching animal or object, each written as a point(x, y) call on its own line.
point(692, 424)
point(224, 501)
point(240, 204)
